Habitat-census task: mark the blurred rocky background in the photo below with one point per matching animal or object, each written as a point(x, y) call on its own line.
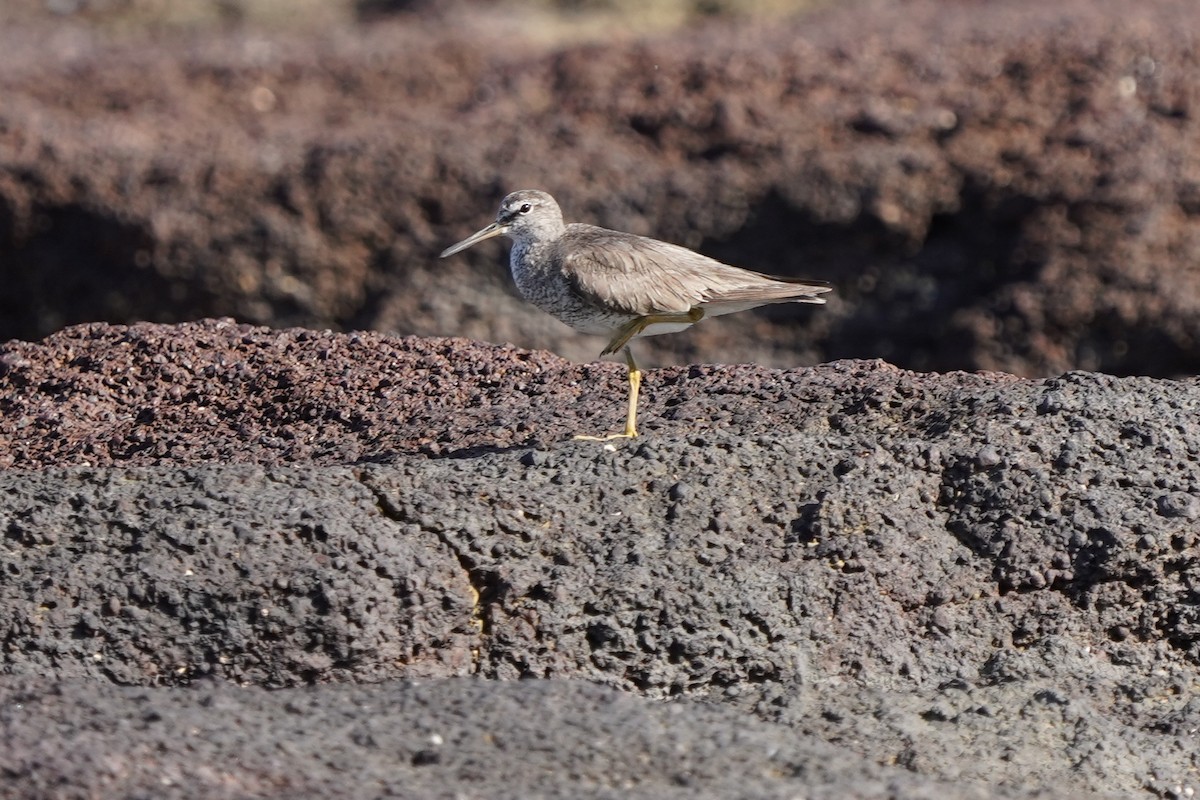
point(1009, 186)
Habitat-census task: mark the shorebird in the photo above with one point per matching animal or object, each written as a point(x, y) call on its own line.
point(621, 285)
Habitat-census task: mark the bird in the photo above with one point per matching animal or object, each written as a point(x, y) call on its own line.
point(621, 285)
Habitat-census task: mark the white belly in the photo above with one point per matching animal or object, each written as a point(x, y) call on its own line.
point(665, 327)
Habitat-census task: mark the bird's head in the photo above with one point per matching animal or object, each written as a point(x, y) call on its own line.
point(528, 215)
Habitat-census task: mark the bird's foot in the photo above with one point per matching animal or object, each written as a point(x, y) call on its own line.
point(608, 437)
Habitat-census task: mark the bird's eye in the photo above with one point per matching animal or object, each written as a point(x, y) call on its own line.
point(525, 208)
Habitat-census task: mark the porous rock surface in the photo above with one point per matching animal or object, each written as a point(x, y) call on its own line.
point(1004, 185)
point(844, 581)
point(448, 738)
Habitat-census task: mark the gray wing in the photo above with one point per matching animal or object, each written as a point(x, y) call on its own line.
point(641, 276)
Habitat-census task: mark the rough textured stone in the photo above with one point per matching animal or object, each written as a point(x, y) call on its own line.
point(1007, 185)
point(264, 577)
point(986, 580)
point(437, 739)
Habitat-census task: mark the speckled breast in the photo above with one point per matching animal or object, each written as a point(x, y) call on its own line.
point(541, 281)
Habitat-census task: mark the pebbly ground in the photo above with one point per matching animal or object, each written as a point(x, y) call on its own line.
point(849, 580)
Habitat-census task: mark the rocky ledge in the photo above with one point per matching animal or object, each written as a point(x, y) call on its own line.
point(241, 562)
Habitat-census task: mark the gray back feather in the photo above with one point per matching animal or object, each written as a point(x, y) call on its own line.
point(637, 275)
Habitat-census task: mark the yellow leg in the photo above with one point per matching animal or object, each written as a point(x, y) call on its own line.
point(635, 384)
point(620, 341)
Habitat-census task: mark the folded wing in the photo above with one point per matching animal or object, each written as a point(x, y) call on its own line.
point(641, 276)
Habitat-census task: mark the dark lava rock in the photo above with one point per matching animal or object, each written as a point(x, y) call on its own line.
point(1005, 185)
point(987, 581)
point(451, 738)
